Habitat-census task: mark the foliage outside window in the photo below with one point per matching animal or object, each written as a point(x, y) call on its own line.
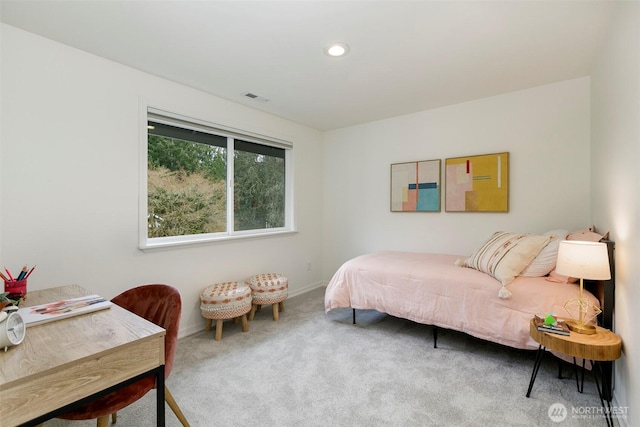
point(204, 183)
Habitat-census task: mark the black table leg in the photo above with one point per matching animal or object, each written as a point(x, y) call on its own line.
point(536, 366)
point(560, 368)
point(160, 396)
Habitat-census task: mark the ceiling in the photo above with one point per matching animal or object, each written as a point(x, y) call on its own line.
point(405, 56)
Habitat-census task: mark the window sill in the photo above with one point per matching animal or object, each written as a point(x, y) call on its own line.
point(171, 243)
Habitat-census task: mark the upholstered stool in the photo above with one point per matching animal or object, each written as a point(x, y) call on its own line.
point(221, 301)
point(269, 288)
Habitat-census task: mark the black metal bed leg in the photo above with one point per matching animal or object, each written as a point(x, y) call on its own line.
point(536, 367)
point(354, 315)
point(435, 336)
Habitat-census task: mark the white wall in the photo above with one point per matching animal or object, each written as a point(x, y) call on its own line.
point(615, 88)
point(545, 130)
point(69, 173)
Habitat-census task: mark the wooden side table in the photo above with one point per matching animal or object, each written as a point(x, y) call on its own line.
point(603, 346)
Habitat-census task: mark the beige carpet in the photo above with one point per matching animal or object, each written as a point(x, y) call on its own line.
point(314, 369)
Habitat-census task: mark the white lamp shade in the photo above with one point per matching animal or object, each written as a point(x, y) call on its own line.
point(583, 260)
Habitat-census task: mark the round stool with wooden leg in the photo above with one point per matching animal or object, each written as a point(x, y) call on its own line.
point(222, 301)
point(269, 288)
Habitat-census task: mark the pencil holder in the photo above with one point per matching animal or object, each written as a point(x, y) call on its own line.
point(17, 288)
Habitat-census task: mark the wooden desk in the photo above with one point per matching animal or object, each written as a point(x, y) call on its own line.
point(72, 360)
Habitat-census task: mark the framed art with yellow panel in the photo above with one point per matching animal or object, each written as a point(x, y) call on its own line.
point(477, 183)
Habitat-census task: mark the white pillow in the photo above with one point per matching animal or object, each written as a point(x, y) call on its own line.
point(505, 254)
point(545, 261)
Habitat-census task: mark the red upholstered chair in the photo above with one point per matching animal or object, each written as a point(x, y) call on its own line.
point(159, 304)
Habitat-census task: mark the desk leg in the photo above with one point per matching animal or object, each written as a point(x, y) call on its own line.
point(160, 396)
point(536, 366)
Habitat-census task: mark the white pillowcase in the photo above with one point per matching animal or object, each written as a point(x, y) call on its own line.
point(545, 261)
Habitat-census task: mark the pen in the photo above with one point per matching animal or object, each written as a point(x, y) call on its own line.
point(4, 277)
point(9, 273)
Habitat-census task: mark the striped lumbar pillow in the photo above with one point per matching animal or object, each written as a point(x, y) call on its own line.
point(505, 255)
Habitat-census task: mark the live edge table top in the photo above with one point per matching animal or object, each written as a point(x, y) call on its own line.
point(604, 345)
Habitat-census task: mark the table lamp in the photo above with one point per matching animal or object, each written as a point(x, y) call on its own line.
point(584, 260)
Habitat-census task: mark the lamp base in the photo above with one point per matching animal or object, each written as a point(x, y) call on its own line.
point(581, 329)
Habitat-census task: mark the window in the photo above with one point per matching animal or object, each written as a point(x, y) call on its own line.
point(205, 182)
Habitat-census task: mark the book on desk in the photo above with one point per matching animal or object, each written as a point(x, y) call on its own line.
point(57, 310)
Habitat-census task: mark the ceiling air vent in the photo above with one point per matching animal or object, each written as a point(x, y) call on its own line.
point(255, 97)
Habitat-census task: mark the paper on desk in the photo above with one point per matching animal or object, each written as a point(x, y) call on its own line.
point(52, 311)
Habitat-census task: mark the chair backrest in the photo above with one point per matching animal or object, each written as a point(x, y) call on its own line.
point(159, 304)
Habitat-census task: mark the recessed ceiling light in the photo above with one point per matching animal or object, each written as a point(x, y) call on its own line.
point(337, 49)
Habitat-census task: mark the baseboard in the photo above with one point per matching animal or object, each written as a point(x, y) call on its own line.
point(198, 327)
point(621, 421)
point(305, 289)
point(185, 332)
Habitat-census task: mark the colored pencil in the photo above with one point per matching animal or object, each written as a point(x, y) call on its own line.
point(30, 271)
point(23, 273)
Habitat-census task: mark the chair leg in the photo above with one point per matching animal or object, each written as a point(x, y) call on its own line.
point(281, 306)
point(218, 329)
point(114, 418)
point(103, 421)
point(168, 397)
point(207, 326)
point(252, 313)
point(245, 325)
point(274, 308)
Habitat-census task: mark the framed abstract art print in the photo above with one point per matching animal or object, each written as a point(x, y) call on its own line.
point(415, 186)
point(477, 183)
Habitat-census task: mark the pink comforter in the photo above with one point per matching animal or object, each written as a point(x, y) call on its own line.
point(431, 289)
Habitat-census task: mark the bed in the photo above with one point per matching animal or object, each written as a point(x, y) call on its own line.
point(435, 289)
